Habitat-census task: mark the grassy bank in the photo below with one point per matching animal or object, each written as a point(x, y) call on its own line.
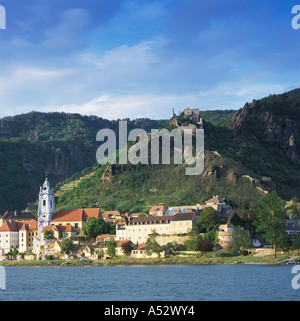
point(224, 258)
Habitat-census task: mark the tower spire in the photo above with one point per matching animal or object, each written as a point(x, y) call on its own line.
point(46, 206)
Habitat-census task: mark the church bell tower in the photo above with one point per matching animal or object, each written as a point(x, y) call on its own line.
point(46, 207)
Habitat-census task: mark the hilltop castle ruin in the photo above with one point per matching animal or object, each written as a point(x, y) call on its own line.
point(188, 119)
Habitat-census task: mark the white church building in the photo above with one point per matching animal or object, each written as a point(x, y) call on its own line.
point(23, 231)
point(46, 209)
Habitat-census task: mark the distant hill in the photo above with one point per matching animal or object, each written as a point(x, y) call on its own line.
point(248, 152)
point(57, 144)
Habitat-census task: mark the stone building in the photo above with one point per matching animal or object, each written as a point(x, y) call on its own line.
point(137, 229)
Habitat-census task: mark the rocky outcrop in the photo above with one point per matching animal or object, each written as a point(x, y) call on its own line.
point(211, 173)
point(291, 151)
point(260, 120)
point(240, 119)
point(231, 176)
point(107, 174)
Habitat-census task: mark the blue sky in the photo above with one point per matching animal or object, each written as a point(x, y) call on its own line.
point(141, 58)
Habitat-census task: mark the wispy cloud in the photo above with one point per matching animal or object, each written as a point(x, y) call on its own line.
point(141, 58)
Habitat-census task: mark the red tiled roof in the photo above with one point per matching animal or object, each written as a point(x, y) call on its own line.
point(132, 214)
point(141, 247)
point(107, 213)
point(8, 226)
point(104, 236)
point(183, 216)
point(66, 229)
point(60, 228)
point(157, 208)
point(119, 243)
point(76, 214)
point(15, 226)
point(215, 200)
point(29, 225)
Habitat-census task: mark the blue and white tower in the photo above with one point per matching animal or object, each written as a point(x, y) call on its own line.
point(46, 207)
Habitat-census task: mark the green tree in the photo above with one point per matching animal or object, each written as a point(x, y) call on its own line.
point(271, 219)
point(112, 228)
point(205, 244)
point(13, 253)
point(111, 247)
point(95, 226)
point(66, 245)
point(241, 239)
point(208, 219)
point(193, 241)
point(127, 247)
point(151, 244)
point(49, 235)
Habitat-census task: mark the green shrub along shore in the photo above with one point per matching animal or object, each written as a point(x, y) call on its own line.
point(199, 259)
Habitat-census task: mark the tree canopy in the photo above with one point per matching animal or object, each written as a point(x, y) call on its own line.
point(66, 245)
point(208, 219)
point(151, 244)
point(271, 219)
point(95, 226)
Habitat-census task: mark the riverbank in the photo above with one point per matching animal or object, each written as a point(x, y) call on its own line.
point(204, 259)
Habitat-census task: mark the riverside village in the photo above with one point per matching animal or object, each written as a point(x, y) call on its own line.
point(93, 235)
point(25, 237)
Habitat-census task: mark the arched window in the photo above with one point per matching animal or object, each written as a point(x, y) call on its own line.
point(44, 202)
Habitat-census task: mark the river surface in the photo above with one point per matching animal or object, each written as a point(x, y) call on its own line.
point(151, 283)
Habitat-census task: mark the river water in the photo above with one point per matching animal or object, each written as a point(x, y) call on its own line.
point(151, 283)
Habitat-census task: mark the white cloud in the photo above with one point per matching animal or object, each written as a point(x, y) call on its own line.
point(69, 32)
point(133, 106)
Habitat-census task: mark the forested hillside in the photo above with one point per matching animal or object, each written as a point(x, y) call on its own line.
point(248, 152)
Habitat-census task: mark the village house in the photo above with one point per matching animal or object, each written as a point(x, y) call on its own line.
point(111, 216)
point(103, 238)
point(75, 217)
point(182, 223)
point(216, 202)
point(17, 216)
point(220, 205)
point(17, 235)
point(27, 232)
point(259, 241)
point(137, 229)
point(60, 231)
point(51, 249)
point(139, 252)
point(131, 215)
point(157, 210)
point(292, 228)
